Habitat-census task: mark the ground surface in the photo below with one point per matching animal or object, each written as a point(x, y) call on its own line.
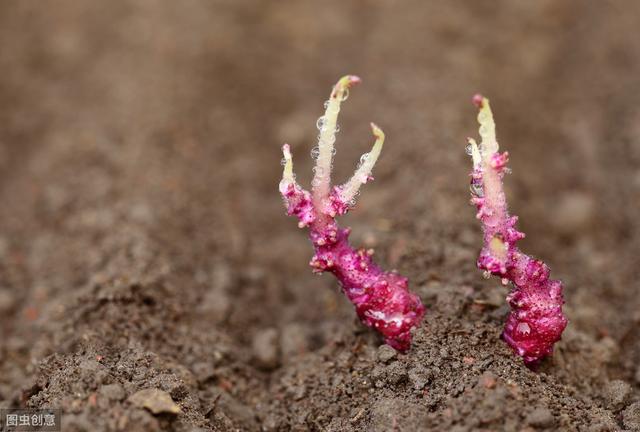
point(143, 243)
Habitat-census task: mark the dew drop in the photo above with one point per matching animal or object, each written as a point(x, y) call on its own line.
point(326, 104)
point(476, 189)
point(468, 149)
point(364, 158)
point(283, 161)
point(320, 122)
point(523, 328)
point(315, 152)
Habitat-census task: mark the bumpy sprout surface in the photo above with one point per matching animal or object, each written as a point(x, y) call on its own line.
point(536, 321)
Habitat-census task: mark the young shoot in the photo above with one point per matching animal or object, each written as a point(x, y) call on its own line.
point(382, 299)
point(536, 321)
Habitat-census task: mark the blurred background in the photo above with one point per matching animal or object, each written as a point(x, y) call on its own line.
point(141, 228)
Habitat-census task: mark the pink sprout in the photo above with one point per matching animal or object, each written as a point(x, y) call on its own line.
point(536, 320)
point(382, 299)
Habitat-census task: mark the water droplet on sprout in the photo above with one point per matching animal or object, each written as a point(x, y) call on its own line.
point(476, 189)
point(468, 149)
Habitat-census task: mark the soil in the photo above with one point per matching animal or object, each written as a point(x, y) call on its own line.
point(150, 281)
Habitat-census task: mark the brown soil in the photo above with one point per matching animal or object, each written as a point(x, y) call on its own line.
point(143, 243)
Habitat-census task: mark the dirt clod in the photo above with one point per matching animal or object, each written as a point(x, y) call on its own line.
point(419, 377)
point(617, 394)
point(395, 373)
point(386, 353)
point(631, 417)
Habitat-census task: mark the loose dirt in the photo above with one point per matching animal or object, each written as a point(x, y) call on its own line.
point(143, 244)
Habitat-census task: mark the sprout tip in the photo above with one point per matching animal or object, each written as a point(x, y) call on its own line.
point(478, 100)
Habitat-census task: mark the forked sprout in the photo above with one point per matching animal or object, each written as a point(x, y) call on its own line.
point(382, 299)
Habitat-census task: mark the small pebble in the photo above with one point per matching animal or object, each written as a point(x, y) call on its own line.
point(293, 341)
point(265, 348)
point(155, 400)
point(616, 394)
point(573, 213)
point(112, 392)
point(540, 417)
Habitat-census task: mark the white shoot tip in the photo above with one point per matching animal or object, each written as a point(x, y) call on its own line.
point(363, 172)
point(287, 173)
point(377, 132)
point(488, 144)
point(344, 84)
point(286, 150)
point(349, 80)
point(475, 152)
